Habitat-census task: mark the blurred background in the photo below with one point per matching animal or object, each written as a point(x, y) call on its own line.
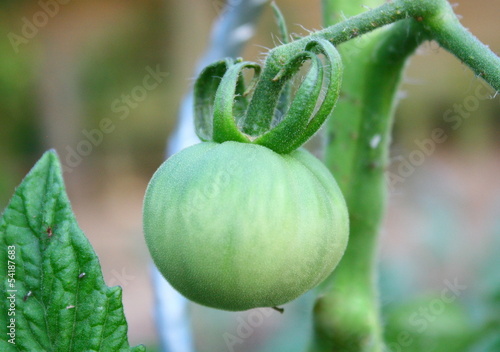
point(101, 82)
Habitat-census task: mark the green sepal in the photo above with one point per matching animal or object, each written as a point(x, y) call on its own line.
point(280, 20)
point(205, 89)
point(225, 126)
point(281, 137)
point(332, 83)
point(286, 92)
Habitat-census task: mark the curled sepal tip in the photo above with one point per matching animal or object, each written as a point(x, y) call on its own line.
point(332, 81)
point(205, 89)
point(230, 90)
point(294, 123)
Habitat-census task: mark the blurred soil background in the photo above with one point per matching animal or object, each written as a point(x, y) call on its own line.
point(60, 79)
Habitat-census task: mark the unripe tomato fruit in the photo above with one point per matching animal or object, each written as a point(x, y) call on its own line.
point(236, 226)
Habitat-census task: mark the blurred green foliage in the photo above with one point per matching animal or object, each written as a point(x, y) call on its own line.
point(115, 63)
point(19, 140)
point(110, 63)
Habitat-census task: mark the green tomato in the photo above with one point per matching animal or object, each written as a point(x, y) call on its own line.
point(236, 226)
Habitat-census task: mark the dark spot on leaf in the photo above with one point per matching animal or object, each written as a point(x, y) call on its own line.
point(27, 295)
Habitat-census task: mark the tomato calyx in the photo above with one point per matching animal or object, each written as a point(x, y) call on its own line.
point(264, 113)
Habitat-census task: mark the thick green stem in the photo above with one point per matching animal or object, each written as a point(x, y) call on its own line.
point(347, 315)
point(439, 20)
point(451, 35)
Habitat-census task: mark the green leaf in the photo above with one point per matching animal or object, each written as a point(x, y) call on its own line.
point(58, 298)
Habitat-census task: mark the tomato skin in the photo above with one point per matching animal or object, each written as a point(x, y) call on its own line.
point(236, 226)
